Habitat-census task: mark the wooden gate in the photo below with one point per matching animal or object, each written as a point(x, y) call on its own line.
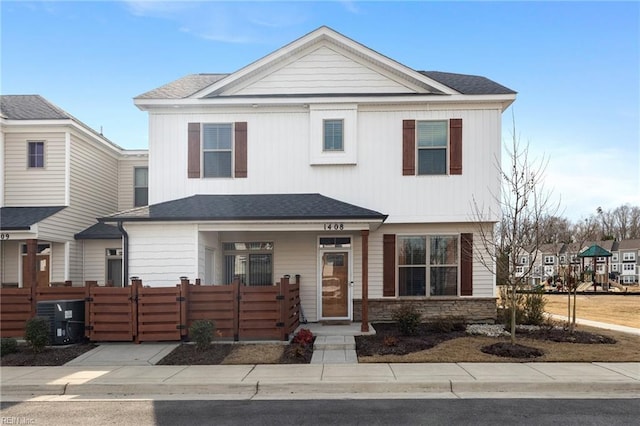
point(158, 313)
point(110, 314)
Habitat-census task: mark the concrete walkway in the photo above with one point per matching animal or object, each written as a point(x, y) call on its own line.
point(596, 324)
point(313, 381)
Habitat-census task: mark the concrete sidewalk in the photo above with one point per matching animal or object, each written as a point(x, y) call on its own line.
point(314, 381)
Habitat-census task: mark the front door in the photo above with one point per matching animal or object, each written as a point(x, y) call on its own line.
point(42, 270)
point(335, 285)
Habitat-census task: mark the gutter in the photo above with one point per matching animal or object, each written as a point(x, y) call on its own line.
point(125, 254)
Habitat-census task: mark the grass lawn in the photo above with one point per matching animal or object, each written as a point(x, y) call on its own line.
point(619, 310)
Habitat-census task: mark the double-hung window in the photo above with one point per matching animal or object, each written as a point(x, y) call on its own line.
point(140, 186)
point(217, 149)
point(428, 262)
point(36, 154)
point(333, 135)
point(432, 144)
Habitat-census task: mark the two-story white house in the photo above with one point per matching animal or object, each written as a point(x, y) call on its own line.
point(328, 160)
point(59, 175)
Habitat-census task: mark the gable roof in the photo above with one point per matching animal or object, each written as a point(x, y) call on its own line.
point(209, 86)
point(248, 208)
point(30, 107)
point(21, 218)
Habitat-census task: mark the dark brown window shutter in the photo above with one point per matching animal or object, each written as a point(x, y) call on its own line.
point(408, 147)
point(193, 156)
point(389, 265)
point(455, 154)
point(466, 264)
point(241, 149)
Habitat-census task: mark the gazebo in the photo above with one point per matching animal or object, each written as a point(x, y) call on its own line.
point(594, 252)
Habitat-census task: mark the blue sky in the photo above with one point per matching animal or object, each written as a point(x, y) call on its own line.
point(575, 66)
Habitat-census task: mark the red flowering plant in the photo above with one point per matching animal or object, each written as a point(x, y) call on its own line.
point(303, 337)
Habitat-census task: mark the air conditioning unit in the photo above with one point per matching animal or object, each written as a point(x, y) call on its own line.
point(66, 320)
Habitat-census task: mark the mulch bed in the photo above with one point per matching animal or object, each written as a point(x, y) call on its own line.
point(214, 355)
point(50, 356)
point(389, 340)
point(561, 335)
point(512, 350)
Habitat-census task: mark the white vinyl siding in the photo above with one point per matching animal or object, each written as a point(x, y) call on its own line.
point(324, 70)
point(376, 183)
point(95, 267)
point(28, 187)
point(125, 180)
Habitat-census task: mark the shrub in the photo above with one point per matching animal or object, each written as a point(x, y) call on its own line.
point(390, 341)
point(36, 333)
point(8, 345)
point(201, 332)
point(303, 337)
point(533, 307)
point(408, 319)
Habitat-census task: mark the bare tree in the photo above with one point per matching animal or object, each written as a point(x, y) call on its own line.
point(524, 203)
point(555, 230)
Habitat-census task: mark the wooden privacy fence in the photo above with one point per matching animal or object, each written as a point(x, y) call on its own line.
point(138, 313)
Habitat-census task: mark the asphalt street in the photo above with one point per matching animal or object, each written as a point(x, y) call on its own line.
point(581, 412)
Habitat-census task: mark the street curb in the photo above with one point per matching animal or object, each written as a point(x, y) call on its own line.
point(380, 388)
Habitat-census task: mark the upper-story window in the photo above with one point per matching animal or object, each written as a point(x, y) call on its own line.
point(36, 154)
point(524, 260)
point(140, 186)
point(432, 147)
point(549, 260)
point(333, 135)
point(217, 149)
point(628, 256)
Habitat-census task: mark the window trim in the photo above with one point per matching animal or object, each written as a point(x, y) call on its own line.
point(31, 143)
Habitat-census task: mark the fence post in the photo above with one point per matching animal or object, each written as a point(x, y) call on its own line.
point(184, 307)
point(235, 287)
point(136, 283)
point(32, 275)
point(87, 310)
point(284, 307)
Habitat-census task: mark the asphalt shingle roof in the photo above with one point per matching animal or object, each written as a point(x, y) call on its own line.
point(21, 218)
point(30, 107)
point(248, 207)
point(463, 83)
point(468, 84)
point(99, 231)
point(182, 87)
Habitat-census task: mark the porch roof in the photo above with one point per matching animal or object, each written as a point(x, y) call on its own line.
point(21, 218)
point(99, 231)
point(248, 207)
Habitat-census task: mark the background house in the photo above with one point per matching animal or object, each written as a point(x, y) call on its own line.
point(328, 160)
point(58, 176)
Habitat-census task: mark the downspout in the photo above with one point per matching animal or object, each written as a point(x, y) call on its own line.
point(125, 255)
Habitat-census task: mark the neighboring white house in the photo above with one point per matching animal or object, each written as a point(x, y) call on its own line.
point(328, 160)
point(58, 176)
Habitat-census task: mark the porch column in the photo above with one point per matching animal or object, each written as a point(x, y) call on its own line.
point(30, 278)
point(365, 281)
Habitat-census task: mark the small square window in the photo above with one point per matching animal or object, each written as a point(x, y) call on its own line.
point(36, 155)
point(333, 135)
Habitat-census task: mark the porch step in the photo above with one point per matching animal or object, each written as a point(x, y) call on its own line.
point(334, 343)
point(334, 350)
